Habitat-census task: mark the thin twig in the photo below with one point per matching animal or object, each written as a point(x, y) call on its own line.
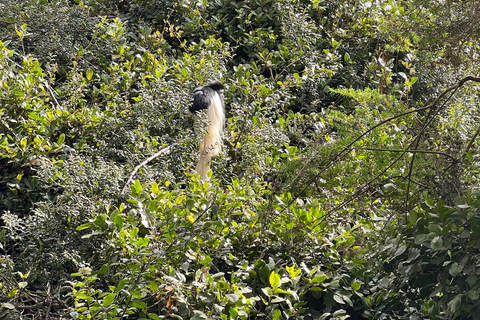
point(347, 149)
point(469, 146)
point(134, 172)
point(52, 95)
point(409, 151)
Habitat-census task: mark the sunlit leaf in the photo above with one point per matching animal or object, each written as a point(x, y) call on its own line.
point(274, 280)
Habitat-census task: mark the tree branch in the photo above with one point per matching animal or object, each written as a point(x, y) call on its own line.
point(155, 155)
point(410, 151)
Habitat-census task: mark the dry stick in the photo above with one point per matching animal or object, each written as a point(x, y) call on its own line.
point(155, 155)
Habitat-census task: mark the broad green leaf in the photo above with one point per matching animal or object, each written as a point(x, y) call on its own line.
point(206, 260)
point(137, 186)
point(89, 74)
point(134, 232)
point(355, 286)
point(108, 299)
point(232, 297)
point(154, 188)
point(103, 270)
point(433, 227)
point(437, 243)
point(455, 269)
point(473, 295)
point(267, 291)
point(339, 313)
point(421, 238)
point(277, 315)
point(471, 280)
point(334, 284)
point(118, 220)
point(274, 280)
point(316, 289)
point(338, 299)
point(292, 272)
point(455, 303)
point(61, 139)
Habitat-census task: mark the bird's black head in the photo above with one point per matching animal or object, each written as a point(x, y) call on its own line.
point(216, 85)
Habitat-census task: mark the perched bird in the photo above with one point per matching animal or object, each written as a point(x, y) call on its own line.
point(210, 98)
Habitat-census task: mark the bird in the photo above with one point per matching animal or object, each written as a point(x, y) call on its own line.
point(210, 98)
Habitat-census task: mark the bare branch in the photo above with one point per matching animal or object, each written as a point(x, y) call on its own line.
point(134, 172)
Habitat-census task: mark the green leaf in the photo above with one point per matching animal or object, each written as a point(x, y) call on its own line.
point(437, 243)
point(264, 272)
point(338, 299)
point(89, 74)
point(455, 269)
point(278, 290)
point(134, 232)
point(319, 279)
point(108, 299)
point(355, 286)
point(154, 188)
point(413, 80)
point(61, 139)
point(455, 303)
point(473, 295)
point(339, 313)
point(198, 315)
point(277, 315)
point(419, 239)
point(102, 270)
point(153, 316)
point(334, 284)
point(435, 228)
point(232, 297)
point(84, 226)
point(267, 291)
point(137, 186)
point(274, 280)
point(22, 284)
point(471, 280)
point(400, 250)
point(12, 293)
point(206, 260)
point(292, 272)
point(118, 220)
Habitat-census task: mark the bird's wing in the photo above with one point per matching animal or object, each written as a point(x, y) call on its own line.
point(201, 99)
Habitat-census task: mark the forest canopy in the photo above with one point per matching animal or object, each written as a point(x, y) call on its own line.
point(346, 189)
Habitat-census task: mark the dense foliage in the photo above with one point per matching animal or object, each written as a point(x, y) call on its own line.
point(348, 187)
